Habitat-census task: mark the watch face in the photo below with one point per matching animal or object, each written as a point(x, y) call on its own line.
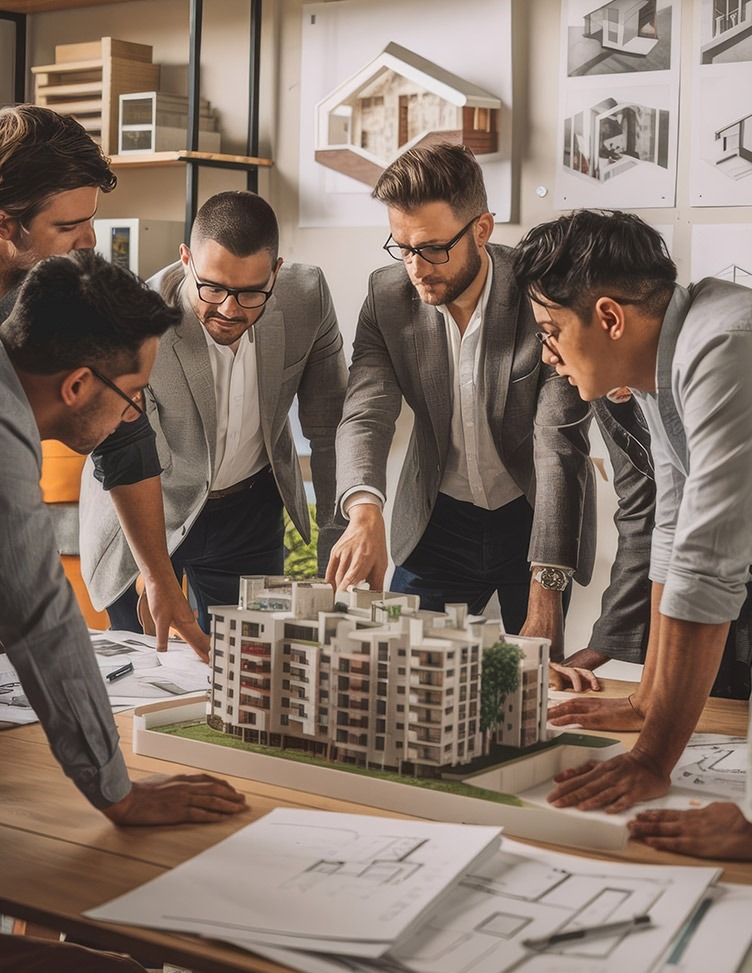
point(552, 578)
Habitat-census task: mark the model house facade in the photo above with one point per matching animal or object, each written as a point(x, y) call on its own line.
point(613, 137)
point(377, 684)
point(397, 101)
point(624, 25)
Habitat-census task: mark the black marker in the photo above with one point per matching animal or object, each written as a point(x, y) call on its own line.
point(587, 932)
point(117, 673)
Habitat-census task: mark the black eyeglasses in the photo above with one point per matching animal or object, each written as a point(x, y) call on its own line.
point(217, 294)
point(432, 253)
point(544, 337)
point(132, 404)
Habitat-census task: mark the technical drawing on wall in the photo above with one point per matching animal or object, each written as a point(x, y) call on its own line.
point(617, 37)
point(733, 148)
point(612, 137)
point(376, 78)
point(397, 101)
point(725, 31)
point(722, 250)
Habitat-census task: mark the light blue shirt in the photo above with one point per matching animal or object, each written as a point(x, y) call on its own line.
point(700, 420)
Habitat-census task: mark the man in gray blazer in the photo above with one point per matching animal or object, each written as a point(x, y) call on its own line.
point(253, 335)
point(497, 474)
point(604, 293)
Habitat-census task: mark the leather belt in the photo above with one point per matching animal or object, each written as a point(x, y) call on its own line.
point(240, 486)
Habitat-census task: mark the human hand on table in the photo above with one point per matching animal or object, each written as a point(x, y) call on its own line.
point(184, 798)
point(561, 676)
point(719, 830)
point(597, 714)
point(163, 606)
point(611, 785)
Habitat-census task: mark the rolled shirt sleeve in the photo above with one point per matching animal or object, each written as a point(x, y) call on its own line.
point(705, 568)
point(41, 627)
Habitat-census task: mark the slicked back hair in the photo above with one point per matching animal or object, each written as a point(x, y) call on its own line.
point(438, 173)
point(43, 153)
point(587, 254)
point(241, 222)
point(80, 310)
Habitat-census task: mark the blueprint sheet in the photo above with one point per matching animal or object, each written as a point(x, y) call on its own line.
point(341, 883)
point(523, 892)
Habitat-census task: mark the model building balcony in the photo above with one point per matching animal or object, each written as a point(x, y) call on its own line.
point(253, 702)
point(263, 651)
point(426, 717)
point(427, 679)
point(426, 697)
point(425, 755)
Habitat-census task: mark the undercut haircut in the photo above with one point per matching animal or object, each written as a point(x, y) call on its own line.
point(438, 173)
point(80, 310)
point(588, 254)
point(43, 153)
point(241, 222)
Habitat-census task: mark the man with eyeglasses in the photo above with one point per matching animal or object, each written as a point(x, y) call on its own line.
point(204, 498)
point(75, 352)
point(497, 479)
point(605, 296)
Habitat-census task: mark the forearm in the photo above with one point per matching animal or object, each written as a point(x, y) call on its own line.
point(545, 618)
point(141, 514)
point(587, 659)
point(688, 657)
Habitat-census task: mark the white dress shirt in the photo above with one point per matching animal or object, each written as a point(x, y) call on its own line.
point(240, 450)
point(474, 471)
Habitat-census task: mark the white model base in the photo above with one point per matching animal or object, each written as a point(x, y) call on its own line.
point(572, 828)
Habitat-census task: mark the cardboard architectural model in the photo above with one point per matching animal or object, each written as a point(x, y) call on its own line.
point(392, 104)
point(624, 25)
point(378, 683)
point(612, 137)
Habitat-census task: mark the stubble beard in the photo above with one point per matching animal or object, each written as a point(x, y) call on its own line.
point(447, 291)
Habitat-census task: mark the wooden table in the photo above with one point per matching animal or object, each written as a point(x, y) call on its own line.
point(60, 857)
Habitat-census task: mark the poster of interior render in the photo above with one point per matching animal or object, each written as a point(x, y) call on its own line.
point(618, 104)
point(722, 250)
point(379, 76)
point(721, 157)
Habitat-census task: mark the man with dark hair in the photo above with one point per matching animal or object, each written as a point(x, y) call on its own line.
point(75, 354)
point(253, 335)
point(604, 294)
point(51, 172)
point(497, 473)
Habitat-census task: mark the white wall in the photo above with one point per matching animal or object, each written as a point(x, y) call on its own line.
point(348, 255)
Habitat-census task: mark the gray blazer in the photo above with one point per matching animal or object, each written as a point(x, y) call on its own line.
point(299, 352)
point(538, 421)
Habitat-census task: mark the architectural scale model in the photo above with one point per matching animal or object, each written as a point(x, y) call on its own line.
point(396, 101)
point(377, 683)
point(613, 137)
point(624, 25)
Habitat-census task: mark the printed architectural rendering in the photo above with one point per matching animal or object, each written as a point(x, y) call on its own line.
point(736, 274)
point(613, 137)
point(397, 101)
point(624, 25)
point(378, 684)
point(734, 148)
point(730, 24)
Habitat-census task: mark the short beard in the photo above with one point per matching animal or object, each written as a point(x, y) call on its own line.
point(462, 279)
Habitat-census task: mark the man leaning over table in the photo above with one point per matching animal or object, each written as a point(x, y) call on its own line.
point(611, 315)
point(253, 334)
point(75, 354)
point(497, 473)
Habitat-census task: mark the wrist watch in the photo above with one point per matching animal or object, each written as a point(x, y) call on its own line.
point(553, 579)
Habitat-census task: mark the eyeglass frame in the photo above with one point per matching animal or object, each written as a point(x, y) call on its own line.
point(413, 252)
point(132, 404)
point(230, 291)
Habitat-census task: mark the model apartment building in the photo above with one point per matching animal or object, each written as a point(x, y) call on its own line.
point(378, 682)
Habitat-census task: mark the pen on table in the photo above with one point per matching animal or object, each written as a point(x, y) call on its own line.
point(588, 932)
point(117, 673)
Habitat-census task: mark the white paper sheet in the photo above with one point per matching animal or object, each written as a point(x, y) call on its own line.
point(522, 892)
point(718, 936)
point(344, 883)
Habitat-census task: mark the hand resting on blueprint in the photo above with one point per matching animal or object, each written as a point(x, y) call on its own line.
point(719, 830)
point(597, 714)
point(184, 798)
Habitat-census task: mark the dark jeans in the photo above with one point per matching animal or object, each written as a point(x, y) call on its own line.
point(239, 534)
point(466, 553)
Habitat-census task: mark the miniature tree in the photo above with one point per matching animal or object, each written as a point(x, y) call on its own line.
point(300, 558)
point(500, 676)
point(393, 612)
